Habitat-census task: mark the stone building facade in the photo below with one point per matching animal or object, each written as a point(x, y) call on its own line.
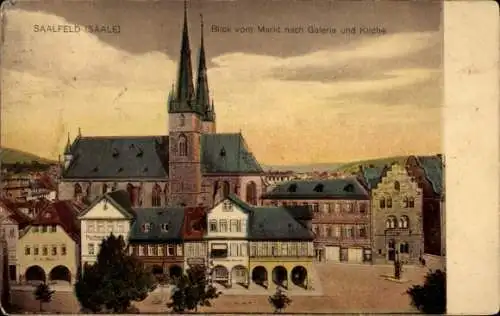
point(428, 173)
point(192, 166)
point(341, 215)
point(194, 229)
point(397, 217)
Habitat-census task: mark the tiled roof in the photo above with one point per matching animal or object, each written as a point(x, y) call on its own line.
point(194, 217)
point(227, 153)
point(119, 157)
point(147, 156)
point(119, 198)
point(299, 212)
point(342, 188)
point(62, 213)
point(276, 223)
point(433, 168)
point(156, 217)
point(14, 214)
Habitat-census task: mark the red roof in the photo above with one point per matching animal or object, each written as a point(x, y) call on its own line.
point(15, 214)
point(194, 223)
point(62, 213)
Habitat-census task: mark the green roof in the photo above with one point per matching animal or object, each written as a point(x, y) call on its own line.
point(276, 223)
point(433, 168)
point(165, 225)
point(342, 188)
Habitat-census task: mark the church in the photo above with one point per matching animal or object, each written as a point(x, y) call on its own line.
point(191, 166)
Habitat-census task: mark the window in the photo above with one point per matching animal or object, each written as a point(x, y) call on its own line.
point(45, 251)
point(337, 231)
point(63, 250)
point(164, 228)
point(223, 225)
point(389, 202)
point(111, 226)
point(234, 226)
point(303, 249)
point(404, 247)
point(226, 189)
point(390, 223)
point(12, 233)
point(100, 227)
point(152, 251)
point(182, 143)
point(161, 250)
point(253, 249)
point(367, 255)
point(219, 250)
point(27, 251)
point(397, 186)
point(77, 191)
point(337, 208)
point(317, 231)
point(213, 225)
point(362, 232)
point(90, 227)
point(411, 202)
point(91, 249)
point(382, 203)
point(140, 250)
point(54, 250)
point(405, 201)
point(362, 208)
point(404, 222)
point(251, 193)
point(182, 120)
point(315, 207)
point(146, 227)
point(349, 208)
point(104, 188)
point(234, 250)
point(349, 232)
point(243, 249)
point(170, 250)
point(284, 249)
point(293, 249)
point(35, 251)
point(292, 188)
point(44, 229)
point(120, 228)
point(318, 187)
point(156, 196)
point(329, 232)
point(227, 206)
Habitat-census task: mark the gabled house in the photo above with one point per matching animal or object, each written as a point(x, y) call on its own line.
point(48, 249)
point(281, 248)
point(194, 229)
point(227, 238)
point(111, 213)
point(12, 221)
point(156, 239)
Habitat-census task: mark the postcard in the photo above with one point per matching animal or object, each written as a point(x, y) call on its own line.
point(223, 157)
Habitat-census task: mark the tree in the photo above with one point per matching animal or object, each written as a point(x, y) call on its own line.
point(191, 290)
point(114, 281)
point(43, 294)
point(431, 297)
point(279, 300)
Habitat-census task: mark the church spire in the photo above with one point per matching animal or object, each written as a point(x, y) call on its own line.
point(202, 93)
point(67, 149)
point(185, 89)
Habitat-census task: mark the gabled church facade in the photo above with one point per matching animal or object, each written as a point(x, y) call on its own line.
point(192, 166)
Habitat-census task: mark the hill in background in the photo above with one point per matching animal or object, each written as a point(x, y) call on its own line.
point(10, 156)
point(352, 167)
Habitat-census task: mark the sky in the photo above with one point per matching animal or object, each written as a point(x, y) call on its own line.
point(297, 98)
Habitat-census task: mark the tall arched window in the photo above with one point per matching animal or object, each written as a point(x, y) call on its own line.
point(104, 188)
point(226, 189)
point(397, 186)
point(404, 222)
point(77, 191)
point(389, 202)
point(411, 202)
point(131, 193)
point(391, 222)
point(156, 195)
point(165, 194)
point(251, 193)
point(182, 145)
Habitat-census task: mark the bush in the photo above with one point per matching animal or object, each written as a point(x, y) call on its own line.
point(430, 298)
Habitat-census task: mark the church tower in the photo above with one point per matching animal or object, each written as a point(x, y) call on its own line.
point(185, 127)
point(202, 96)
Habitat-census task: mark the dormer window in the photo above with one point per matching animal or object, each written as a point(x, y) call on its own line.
point(292, 187)
point(349, 188)
point(164, 228)
point(115, 153)
point(145, 169)
point(146, 228)
point(222, 152)
point(95, 169)
point(120, 169)
point(140, 152)
point(227, 206)
point(132, 146)
point(318, 187)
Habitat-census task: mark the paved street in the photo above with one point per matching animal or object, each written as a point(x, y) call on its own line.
point(345, 288)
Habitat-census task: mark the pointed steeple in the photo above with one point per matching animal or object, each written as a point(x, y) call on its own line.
point(185, 89)
point(202, 93)
point(67, 149)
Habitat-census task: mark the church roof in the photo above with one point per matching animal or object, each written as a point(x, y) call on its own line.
point(139, 157)
point(342, 188)
point(165, 225)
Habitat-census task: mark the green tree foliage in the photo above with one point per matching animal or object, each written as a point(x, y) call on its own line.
point(192, 289)
point(279, 300)
point(114, 281)
point(431, 297)
point(43, 294)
